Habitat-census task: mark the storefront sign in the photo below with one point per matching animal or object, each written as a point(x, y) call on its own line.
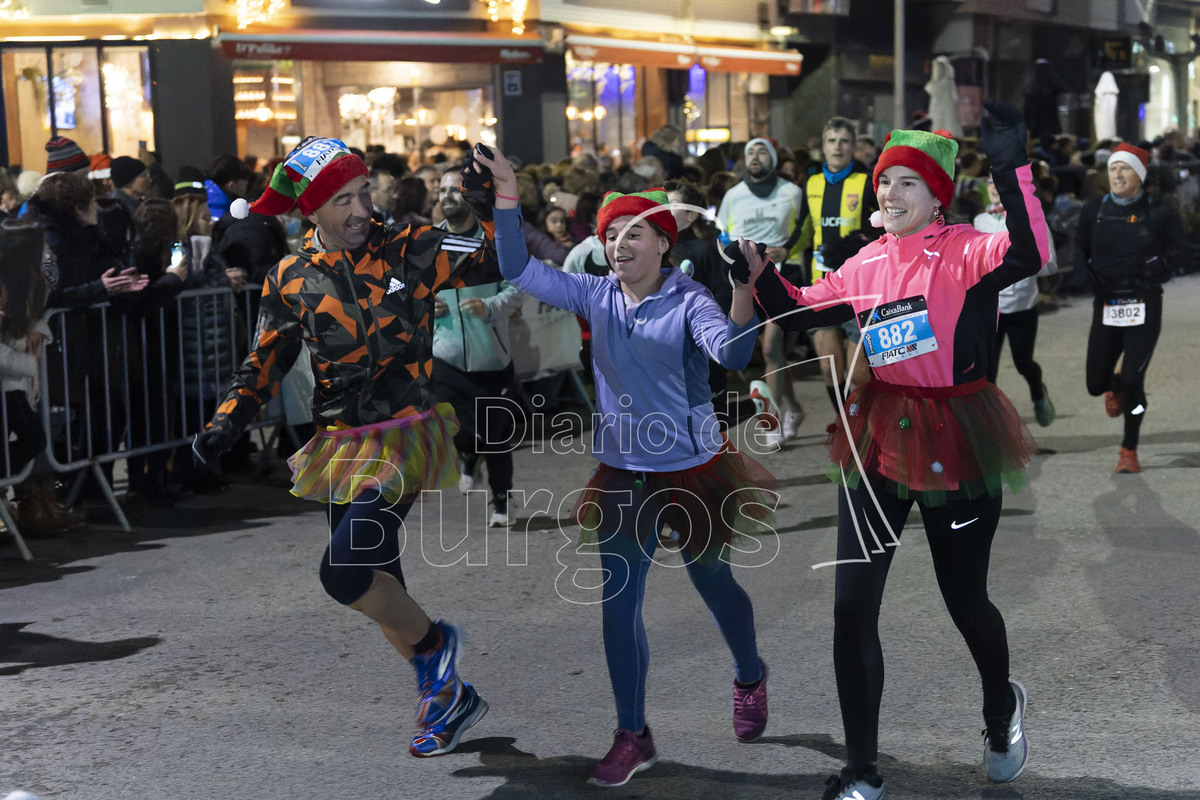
point(512, 83)
point(329, 45)
point(682, 56)
point(441, 7)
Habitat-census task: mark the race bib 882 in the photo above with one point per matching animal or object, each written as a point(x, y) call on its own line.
point(897, 331)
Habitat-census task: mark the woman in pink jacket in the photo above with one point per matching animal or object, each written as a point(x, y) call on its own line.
point(928, 428)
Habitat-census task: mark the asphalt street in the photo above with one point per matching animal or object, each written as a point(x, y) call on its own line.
point(198, 658)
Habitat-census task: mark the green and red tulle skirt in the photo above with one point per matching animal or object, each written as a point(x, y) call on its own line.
point(932, 444)
point(700, 510)
point(399, 457)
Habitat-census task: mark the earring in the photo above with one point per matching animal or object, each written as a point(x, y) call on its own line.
point(938, 217)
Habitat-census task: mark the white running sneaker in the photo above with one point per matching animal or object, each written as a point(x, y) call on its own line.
point(844, 786)
point(791, 423)
point(470, 472)
point(1006, 766)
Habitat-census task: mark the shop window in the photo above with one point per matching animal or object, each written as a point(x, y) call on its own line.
point(126, 83)
point(266, 107)
point(419, 121)
point(76, 101)
point(718, 108)
point(100, 98)
point(601, 106)
point(25, 104)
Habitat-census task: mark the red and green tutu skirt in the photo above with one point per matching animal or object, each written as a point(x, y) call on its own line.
point(932, 443)
point(701, 509)
point(399, 457)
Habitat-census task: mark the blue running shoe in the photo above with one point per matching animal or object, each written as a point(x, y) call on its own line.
point(437, 676)
point(442, 736)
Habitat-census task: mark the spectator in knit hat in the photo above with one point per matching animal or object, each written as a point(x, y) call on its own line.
point(768, 208)
point(131, 182)
point(63, 155)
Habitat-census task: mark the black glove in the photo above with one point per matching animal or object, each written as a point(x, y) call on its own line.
point(477, 187)
point(1003, 129)
point(209, 445)
point(739, 267)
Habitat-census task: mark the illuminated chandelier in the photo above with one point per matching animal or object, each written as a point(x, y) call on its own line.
point(13, 9)
point(251, 12)
point(515, 8)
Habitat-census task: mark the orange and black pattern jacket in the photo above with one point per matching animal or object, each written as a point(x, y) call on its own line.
point(366, 317)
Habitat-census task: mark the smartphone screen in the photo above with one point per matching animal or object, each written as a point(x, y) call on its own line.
point(177, 254)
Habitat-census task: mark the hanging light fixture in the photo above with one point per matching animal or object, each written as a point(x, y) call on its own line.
point(13, 9)
point(515, 9)
point(252, 12)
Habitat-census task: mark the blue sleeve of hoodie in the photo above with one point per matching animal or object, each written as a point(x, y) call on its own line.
point(729, 345)
point(510, 242)
point(562, 290)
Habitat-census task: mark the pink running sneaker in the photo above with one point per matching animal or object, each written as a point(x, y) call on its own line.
point(750, 709)
point(629, 754)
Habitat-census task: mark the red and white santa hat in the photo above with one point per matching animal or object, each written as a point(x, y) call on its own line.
point(1137, 158)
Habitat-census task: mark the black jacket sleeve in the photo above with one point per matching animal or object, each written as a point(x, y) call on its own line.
point(1022, 259)
point(772, 298)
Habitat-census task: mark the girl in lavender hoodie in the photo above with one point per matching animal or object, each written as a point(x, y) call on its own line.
point(663, 459)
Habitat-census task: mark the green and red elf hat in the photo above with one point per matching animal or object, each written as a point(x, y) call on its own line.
point(930, 155)
point(311, 174)
point(652, 205)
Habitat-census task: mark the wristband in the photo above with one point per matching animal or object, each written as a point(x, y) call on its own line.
point(506, 197)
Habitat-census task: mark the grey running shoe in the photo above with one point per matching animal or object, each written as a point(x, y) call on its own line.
point(1004, 767)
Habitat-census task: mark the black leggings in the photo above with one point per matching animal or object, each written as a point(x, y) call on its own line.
point(960, 541)
point(484, 404)
point(1021, 328)
point(1105, 346)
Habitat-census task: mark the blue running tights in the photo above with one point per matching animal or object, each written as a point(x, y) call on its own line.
point(625, 647)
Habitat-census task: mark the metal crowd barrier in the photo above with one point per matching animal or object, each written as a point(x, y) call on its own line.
point(120, 382)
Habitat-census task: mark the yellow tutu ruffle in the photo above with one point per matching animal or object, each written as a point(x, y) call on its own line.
point(399, 457)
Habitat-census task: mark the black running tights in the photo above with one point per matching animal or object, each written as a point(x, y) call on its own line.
point(960, 539)
point(1021, 327)
point(1106, 344)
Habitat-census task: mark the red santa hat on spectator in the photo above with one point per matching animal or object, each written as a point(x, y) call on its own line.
point(1137, 158)
point(100, 166)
